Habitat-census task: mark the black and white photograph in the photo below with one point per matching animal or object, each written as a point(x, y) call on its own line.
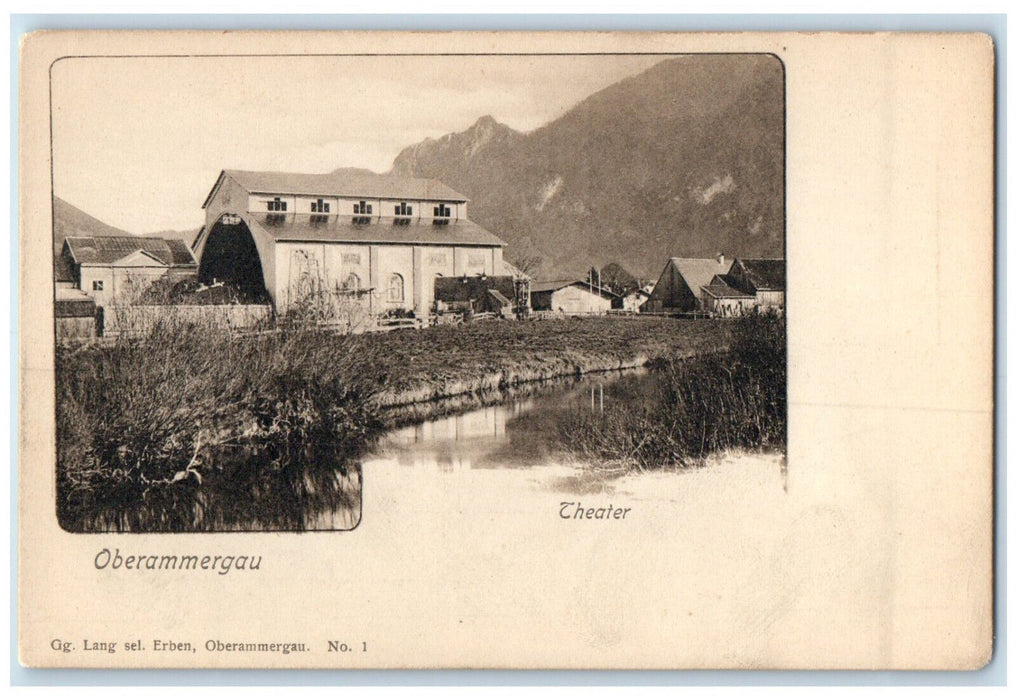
point(506, 350)
point(286, 277)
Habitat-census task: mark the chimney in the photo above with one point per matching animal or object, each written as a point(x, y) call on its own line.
point(720, 258)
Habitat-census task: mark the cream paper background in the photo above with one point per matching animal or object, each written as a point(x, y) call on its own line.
point(878, 556)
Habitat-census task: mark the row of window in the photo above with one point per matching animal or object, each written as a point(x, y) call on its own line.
point(320, 206)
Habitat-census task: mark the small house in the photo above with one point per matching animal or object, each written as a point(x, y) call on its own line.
point(722, 298)
point(570, 297)
point(679, 288)
point(502, 294)
point(763, 278)
point(631, 301)
point(108, 268)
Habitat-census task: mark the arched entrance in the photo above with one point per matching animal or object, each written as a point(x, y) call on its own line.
point(230, 256)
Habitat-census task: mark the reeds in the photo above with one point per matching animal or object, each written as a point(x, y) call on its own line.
point(159, 413)
point(696, 407)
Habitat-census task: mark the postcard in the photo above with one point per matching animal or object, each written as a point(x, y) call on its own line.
point(506, 350)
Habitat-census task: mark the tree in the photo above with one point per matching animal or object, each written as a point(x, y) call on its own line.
point(526, 258)
point(617, 279)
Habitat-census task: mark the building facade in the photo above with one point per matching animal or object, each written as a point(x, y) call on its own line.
point(570, 297)
point(722, 298)
point(763, 278)
point(117, 269)
point(679, 288)
point(371, 240)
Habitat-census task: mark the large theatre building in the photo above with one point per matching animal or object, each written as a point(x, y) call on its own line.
point(378, 239)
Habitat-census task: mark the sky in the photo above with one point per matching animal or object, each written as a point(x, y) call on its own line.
point(139, 142)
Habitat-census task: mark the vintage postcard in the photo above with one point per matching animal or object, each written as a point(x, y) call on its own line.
point(506, 350)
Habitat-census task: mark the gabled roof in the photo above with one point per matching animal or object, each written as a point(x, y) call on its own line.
point(340, 184)
point(106, 250)
point(764, 273)
point(720, 287)
point(298, 227)
point(139, 258)
point(555, 285)
point(698, 272)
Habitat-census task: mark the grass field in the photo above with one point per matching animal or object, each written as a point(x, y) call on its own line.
point(413, 366)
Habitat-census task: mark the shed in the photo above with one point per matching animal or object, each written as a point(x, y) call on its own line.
point(631, 301)
point(570, 297)
point(75, 314)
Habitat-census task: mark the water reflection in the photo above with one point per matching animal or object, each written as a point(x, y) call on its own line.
point(245, 492)
point(511, 434)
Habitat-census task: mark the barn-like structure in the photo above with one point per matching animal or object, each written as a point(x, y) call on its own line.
point(679, 288)
point(570, 297)
point(380, 241)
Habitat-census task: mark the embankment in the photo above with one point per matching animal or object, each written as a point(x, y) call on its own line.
point(422, 366)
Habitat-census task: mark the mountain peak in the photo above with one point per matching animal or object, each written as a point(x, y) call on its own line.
point(486, 122)
point(460, 145)
point(683, 159)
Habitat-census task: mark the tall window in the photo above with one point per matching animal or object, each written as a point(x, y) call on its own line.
point(276, 205)
point(359, 210)
point(441, 214)
point(352, 283)
point(395, 288)
point(402, 213)
point(319, 212)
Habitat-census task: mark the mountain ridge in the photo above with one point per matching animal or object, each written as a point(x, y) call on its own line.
point(69, 220)
point(685, 159)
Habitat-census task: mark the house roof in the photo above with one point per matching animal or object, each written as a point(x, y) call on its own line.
point(298, 227)
point(555, 285)
point(340, 184)
point(106, 250)
point(73, 303)
point(720, 287)
point(765, 273)
point(698, 272)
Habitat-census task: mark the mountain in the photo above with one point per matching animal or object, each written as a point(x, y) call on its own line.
point(186, 236)
point(68, 220)
point(685, 159)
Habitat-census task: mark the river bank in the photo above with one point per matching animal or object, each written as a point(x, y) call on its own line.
point(416, 367)
point(146, 425)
